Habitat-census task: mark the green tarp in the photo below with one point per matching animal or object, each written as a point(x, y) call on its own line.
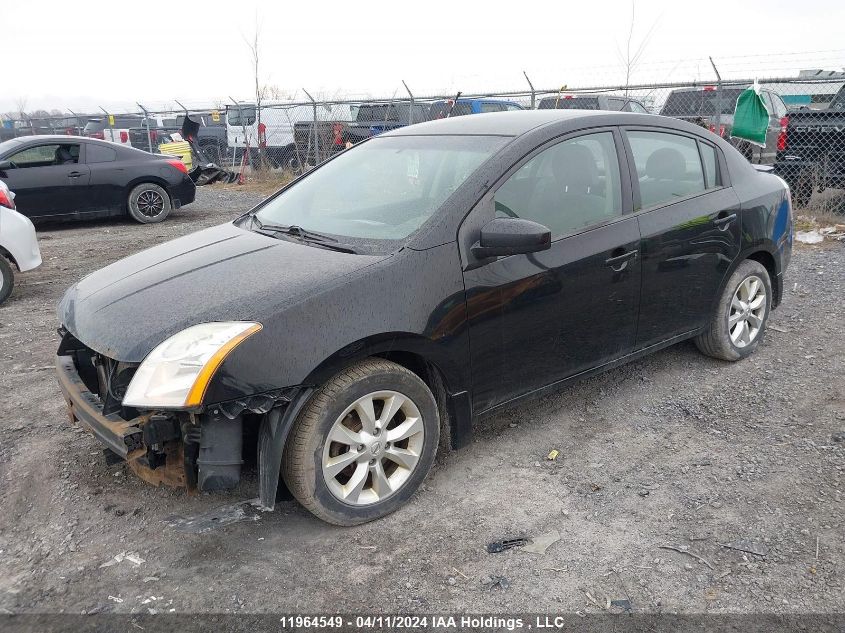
point(751, 118)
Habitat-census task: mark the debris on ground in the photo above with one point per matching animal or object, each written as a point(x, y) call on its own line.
point(623, 604)
point(494, 582)
point(747, 546)
point(116, 599)
point(809, 237)
point(132, 557)
point(539, 544)
point(683, 549)
point(500, 546)
point(216, 517)
point(553, 455)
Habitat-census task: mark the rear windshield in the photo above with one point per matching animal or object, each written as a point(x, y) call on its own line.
point(378, 113)
point(700, 102)
point(442, 109)
point(94, 126)
point(569, 103)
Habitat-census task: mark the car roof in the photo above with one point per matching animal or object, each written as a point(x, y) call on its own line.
point(512, 123)
point(63, 138)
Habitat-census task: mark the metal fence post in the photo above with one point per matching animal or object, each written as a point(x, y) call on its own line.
point(243, 130)
point(314, 128)
point(533, 94)
point(147, 126)
point(718, 123)
point(410, 105)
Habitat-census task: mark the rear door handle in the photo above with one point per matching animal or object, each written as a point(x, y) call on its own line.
point(618, 261)
point(725, 221)
point(74, 174)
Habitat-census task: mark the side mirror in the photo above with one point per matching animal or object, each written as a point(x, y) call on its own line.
point(511, 236)
point(5, 165)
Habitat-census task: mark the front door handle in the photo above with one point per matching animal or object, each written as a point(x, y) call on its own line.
point(724, 221)
point(618, 262)
point(74, 174)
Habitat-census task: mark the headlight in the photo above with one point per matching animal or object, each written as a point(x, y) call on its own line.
point(177, 372)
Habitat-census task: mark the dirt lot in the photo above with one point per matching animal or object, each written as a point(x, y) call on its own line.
point(675, 450)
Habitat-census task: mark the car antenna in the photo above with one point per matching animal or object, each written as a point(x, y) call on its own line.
point(454, 102)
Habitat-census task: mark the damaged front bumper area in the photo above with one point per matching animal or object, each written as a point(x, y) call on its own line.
point(200, 450)
point(150, 443)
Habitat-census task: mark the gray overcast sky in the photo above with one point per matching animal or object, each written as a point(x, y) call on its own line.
point(86, 53)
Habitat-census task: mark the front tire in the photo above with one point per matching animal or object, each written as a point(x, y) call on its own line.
point(148, 203)
point(7, 279)
point(739, 322)
point(363, 443)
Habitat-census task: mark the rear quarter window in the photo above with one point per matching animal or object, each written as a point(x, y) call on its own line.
point(99, 154)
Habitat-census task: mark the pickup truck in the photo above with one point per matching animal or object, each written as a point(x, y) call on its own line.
point(461, 107)
point(699, 105)
point(353, 125)
point(601, 101)
point(811, 150)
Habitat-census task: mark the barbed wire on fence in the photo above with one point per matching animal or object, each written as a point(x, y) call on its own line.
point(805, 142)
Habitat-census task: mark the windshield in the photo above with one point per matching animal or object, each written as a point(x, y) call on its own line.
point(700, 102)
point(384, 189)
point(569, 103)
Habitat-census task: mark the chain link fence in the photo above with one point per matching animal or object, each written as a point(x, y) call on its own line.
point(805, 140)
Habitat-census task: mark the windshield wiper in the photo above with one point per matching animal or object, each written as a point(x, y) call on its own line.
point(292, 229)
point(311, 237)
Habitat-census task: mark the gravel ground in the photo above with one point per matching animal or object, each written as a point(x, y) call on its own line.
point(675, 450)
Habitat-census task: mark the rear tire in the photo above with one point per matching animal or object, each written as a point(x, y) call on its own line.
point(739, 322)
point(148, 203)
point(330, 448)
point(7, 279)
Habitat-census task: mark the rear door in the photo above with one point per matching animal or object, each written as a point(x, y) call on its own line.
point(690, 224)
point(49, 179)
point(539, 318)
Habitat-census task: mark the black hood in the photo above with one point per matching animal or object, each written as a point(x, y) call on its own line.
point(224, 273)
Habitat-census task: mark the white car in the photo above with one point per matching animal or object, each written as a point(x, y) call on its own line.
point(18, 244)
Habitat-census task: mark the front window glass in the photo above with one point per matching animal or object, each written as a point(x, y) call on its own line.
point(241, 115)
point(384, 189)
point(46, 156)
point(567, 187)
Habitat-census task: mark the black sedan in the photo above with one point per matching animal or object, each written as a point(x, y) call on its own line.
point(426, 277)
point(57, 177)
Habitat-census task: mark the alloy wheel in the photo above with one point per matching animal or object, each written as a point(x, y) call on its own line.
point(373, 448)
point(748, 308)
point(150, 203)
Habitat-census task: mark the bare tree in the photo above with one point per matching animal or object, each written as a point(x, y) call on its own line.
point(254, 45)
point(20, 106)
point(634, 52)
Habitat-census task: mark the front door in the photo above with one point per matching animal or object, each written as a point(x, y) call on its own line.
point(690, 225)
point(539, 318)
point(48, 180)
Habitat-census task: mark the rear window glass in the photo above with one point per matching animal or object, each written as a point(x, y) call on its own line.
point(99, 154)
point(700, 102)
point(569, 103)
